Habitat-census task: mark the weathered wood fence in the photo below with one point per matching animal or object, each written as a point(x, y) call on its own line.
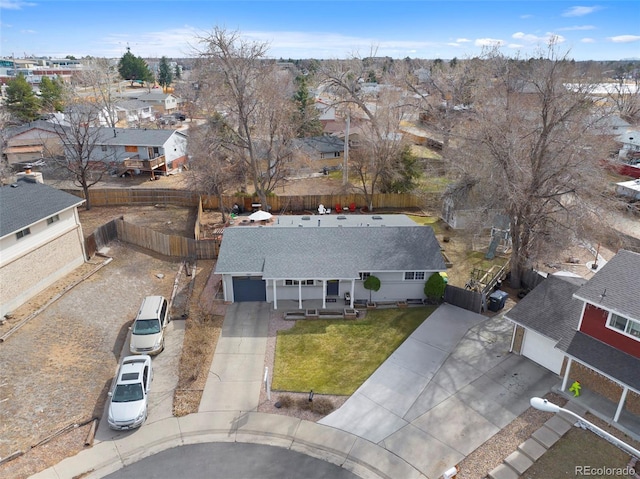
point(150, 196)
point(168, 245)
point(100, 237)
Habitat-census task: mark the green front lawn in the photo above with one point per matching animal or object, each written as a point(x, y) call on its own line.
point(337, 356)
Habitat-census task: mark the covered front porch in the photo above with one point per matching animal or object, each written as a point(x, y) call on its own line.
point(312, 294)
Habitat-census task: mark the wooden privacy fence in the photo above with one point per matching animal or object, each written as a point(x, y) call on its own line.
point(150, 196)
point(464, 298)
point(100, 237)
point(168, 245)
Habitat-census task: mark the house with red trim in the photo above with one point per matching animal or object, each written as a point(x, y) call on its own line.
point(588, 331)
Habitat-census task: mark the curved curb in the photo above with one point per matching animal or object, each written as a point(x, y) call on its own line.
point(359, 456)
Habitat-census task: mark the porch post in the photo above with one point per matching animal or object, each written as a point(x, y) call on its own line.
point(566, 375)
point(300, 294)
point(623, 398)
point(275, 296)
point(353, 287)
point(324, 294)
point(224, 288)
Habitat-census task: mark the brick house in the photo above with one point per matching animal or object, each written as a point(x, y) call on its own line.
point(40, 238)
point(588, 331)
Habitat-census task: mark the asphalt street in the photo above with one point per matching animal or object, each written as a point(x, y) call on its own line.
point(231, 461)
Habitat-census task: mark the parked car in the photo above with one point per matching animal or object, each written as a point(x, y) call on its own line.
point(147, 331)
point(128, 401)
point(180, 116)
point(168, 120)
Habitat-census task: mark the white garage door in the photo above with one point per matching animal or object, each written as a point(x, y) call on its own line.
point(540, 349)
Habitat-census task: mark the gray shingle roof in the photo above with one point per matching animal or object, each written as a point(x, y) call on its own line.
point(29, 203)
point(321, 144)
point(330, 253)
point(135, 136)
point(550, 308)
point(609, 360)
point(619, 280)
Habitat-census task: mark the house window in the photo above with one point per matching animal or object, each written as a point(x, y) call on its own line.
point(364, 276)
point(103, 147)
point(53, 219)
point(626, 326)
point(294, 282)
point(414, 275)
point(23, 233)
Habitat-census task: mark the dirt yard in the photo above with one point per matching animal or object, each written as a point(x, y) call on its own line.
point(62, 360)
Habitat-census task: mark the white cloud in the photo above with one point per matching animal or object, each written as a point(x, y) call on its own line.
point(580, 11)
point(577, 28)
point(15, 4)
point(526, 16)
point(28, 32)
point(462, 40)
point(488, 42)
point(624, 38)
point(531, 39)
point(587, 40)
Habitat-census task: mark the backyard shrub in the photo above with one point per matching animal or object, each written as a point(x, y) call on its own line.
point(434, 287)
point(304, 403)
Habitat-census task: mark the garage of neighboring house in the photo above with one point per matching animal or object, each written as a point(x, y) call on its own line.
point(541, 350)
point(544, 317)
point(249, 288)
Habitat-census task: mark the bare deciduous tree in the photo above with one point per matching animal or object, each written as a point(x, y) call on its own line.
point(254, 99)
point(211, 166)
point(380, 109)
point(535, 145)
point(99, 82)
point(80, 139)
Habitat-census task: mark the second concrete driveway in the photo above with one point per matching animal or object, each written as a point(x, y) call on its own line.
point(446, 390)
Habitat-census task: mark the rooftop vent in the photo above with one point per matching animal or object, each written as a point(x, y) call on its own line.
point(306, 218)
point(376, 217)
point(342, 217)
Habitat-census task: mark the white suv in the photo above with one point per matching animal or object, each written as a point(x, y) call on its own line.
point(147, 332)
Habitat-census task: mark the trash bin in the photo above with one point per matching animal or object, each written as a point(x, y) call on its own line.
point(497, 299)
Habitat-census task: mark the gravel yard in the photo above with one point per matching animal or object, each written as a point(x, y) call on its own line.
point(58, 367)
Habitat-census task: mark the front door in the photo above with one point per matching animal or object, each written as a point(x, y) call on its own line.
point(333, 287)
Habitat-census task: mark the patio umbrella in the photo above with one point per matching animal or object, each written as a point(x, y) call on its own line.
point(260, 216)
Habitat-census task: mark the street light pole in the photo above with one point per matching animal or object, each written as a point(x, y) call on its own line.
point(545, 405)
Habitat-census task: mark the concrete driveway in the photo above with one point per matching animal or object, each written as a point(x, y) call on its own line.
point(446, 390)
point(237, 369)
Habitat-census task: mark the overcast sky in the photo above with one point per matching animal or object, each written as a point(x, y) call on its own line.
point(604, 30)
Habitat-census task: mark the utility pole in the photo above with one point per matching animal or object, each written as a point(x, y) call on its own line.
point(345, 166)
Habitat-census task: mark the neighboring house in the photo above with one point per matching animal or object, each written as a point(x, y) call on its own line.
point(31, 142)
point(40, 239)
point(133, 112)
point(159, 101)
point(327, 259)
point(138, 149)
point(588, 331)
point(318, 152)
